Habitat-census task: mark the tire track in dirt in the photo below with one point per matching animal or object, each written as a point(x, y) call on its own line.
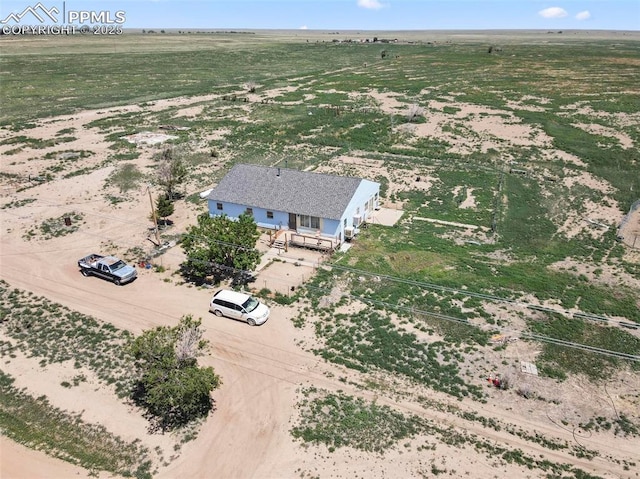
point(260, 372)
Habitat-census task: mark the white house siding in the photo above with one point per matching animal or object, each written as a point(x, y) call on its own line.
point(280, 219)
point(363, 203)
point(334, 200)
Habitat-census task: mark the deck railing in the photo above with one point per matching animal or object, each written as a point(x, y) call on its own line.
point(312, 242)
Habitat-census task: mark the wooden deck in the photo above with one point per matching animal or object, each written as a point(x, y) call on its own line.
point(282, 239)
point(311, 242)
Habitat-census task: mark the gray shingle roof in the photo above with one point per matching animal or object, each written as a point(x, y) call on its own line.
point(300, 192)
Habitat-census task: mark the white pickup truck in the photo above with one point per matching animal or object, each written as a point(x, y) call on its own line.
point(107, 267)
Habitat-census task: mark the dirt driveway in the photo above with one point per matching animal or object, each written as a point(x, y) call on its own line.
point(262, 369)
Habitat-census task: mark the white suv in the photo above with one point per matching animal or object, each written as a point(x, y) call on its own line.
point(239, 306)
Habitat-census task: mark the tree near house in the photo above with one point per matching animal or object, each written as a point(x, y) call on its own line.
point(221, 247)
point(171, 172)
point(169, 384)
point(164, 208)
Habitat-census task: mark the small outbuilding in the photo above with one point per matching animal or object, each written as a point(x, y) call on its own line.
point(310, 205)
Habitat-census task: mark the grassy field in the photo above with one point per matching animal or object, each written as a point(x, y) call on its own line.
point(52, 333)
point(339, 420)
point(62, 75)
point(314, 102)
point(553, 84)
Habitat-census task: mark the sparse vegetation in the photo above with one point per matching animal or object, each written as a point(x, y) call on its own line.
point(18, 203)
point(417, 302)
point(56, 227)
point(368, 341)
point(557, 361)
point(39, 328)
point(36, 326)
point(34, 422)
point(126, 177)
point(338, 420)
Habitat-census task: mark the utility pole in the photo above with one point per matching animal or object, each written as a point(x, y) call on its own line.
point(155, 218)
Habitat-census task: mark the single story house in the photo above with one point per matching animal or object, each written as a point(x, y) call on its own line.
point(307, 203)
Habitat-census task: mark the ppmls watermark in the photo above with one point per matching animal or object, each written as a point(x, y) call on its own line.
point(62, 21)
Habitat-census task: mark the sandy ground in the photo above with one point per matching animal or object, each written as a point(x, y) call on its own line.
point(262, 368)
point(20, 462)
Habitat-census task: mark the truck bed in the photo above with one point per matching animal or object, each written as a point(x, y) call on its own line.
point(89, 261)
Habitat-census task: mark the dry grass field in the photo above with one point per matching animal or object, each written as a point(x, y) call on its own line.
point(513, 157)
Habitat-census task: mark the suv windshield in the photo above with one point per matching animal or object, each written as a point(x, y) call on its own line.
point(250, 304)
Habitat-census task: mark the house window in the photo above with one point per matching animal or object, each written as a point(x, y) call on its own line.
point(345, 222)
point(219, 206)
point(270, 215)
point(249, 211)
point(312, 222)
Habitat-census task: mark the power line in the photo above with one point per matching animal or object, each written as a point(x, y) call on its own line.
point(145, 225)
point(421, 284)
point(465, 292)
point(525, 335)
point(426, 285)
point(583, 347)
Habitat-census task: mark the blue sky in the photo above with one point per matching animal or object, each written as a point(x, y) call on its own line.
point(373, 15)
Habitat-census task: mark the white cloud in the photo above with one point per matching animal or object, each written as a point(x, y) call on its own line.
point(304, 27)
point(370, 4)
point(553, 12)
point(583, 15)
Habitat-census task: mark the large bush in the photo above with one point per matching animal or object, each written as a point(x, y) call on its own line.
point(169, 383)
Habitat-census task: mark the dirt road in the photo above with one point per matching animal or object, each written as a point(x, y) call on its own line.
point(262, 368)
